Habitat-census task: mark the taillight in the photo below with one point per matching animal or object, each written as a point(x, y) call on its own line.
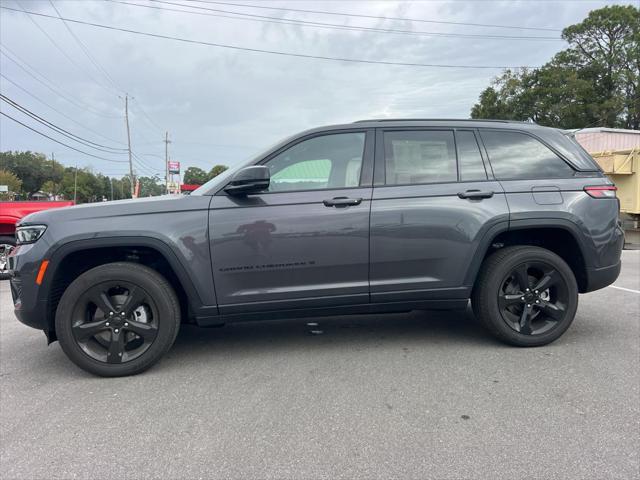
point(602, 191)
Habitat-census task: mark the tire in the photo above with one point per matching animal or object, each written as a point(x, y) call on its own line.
point(521, 317)
point(7, 243)
point(141, 325)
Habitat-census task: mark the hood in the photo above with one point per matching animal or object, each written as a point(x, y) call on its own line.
point(118, 208)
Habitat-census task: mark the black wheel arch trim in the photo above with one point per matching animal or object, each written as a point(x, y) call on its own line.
point(57, 254)
point(522, 224)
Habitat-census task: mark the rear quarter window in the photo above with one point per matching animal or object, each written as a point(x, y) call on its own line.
point(517, 156)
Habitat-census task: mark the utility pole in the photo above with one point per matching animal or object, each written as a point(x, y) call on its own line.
point(75, 185)
point(111, 178)
point(126, 116)
point(166, 160)
point(53, 173)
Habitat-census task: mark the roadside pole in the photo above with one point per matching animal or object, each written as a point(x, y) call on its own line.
point(75, 185)
point(126, 116)
point(166, 161)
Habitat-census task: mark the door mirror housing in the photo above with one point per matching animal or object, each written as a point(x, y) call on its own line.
point(252, 179)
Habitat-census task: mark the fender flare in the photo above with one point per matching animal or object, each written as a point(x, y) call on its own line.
point(61, 251)
point(521, 224)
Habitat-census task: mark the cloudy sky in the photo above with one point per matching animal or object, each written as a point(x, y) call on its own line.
point(222, 105)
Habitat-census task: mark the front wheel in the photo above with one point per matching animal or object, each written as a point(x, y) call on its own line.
point(117, 319)
point(526, 296)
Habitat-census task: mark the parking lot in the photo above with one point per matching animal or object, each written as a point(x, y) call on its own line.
point(419, 395)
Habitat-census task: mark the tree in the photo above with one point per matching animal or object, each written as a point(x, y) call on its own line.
point(595, 81)
point(149, 186)
point(32, 168)
point(195, 176)
point(216, 170)
point(50, 187)
point(13, 183)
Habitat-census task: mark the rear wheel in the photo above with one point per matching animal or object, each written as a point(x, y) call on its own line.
point(7, 244)
point(526, 296)
point(117, 319)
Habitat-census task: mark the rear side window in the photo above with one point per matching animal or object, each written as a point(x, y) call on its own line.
point(469, 157)
point(427, 156)
point(515, 156)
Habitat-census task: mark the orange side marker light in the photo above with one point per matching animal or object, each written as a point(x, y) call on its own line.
point(43, 268)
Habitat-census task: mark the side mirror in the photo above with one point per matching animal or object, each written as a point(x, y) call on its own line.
point(249, 180)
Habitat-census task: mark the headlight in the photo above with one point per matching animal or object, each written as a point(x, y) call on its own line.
point(29, 233)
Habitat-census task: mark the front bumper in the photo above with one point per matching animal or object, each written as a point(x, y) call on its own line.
point(24, 262)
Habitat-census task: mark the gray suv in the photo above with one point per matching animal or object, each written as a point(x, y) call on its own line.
point(373, 216)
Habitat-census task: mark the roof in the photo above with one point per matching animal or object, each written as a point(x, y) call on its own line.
point(438, 120)
point(433, 122)
point(604, 130)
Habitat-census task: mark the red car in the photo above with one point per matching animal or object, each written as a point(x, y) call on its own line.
point(10, 213)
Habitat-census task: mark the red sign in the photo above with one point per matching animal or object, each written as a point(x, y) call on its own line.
point(174, 167)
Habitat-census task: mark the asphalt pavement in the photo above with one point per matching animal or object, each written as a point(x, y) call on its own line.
point(419, 395)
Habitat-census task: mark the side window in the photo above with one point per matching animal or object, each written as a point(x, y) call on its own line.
point(328, 161)
point(420, 156)
point(469, 157)
point(515, 156)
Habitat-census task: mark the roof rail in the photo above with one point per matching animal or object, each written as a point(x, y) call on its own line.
point(441, 120)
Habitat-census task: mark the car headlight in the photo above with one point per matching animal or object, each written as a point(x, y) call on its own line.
point(29, 233)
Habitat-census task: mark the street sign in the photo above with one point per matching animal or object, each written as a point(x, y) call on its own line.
point(174, 167)
point(4, 188)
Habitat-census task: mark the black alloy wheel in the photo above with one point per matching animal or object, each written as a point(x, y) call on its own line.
point(115, 322)
point(533, 298)
point(526, 296)
point(117, 319)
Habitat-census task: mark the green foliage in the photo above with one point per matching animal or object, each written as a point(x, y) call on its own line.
point(32, 168)
point(594, 81)
point(13, 183)
point(216, 170)
point(149, 186)
point(195, 176)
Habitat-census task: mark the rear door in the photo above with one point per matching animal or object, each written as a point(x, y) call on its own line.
point(305, 241)
point(434, 198)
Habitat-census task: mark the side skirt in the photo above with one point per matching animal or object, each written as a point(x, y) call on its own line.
point(388, 307)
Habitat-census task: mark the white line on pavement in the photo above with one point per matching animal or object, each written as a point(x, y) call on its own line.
point(625, 289)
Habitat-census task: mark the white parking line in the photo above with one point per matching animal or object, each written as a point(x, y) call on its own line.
point(625, 289)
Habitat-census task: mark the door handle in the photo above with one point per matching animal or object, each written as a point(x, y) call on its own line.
point(475, 194)
point(340, 202)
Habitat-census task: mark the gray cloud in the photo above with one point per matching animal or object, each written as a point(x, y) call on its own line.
point(220, 106)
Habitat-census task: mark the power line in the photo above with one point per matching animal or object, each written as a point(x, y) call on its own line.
point(149, 119)
point(146, 165)
point(60, 130)
point(61, 50)
point(274, 52)
point(58, 111)
point(85, 49)
point(343, 14)
point(91, 57)
point(333, 26)
point(21, 64)
point(59, 142)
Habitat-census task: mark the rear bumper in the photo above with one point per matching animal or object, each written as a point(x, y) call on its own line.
point(598, 278)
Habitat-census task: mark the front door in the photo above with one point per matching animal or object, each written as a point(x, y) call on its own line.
point(305, 241)
point(433, 201)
